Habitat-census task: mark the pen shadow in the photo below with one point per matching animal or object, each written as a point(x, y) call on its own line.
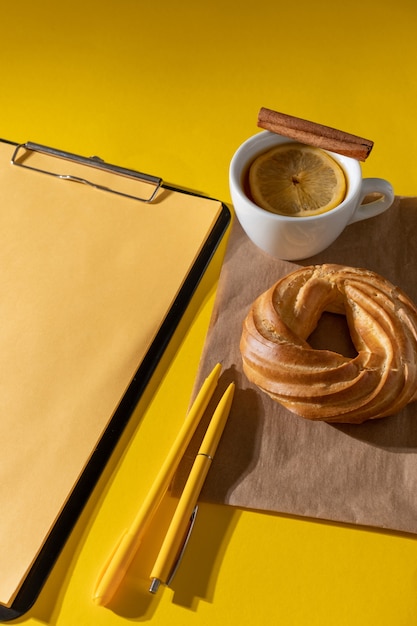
point(133, 600)
point(195, 578)
point(200, 564)
point(238, 450)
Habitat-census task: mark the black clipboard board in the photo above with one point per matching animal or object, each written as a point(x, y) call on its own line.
point(41, 567)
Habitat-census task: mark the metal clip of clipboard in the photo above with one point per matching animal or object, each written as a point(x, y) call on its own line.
point(23, 149)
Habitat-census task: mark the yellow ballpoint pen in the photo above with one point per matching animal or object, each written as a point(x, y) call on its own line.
point(116, 567)
point(171, 546)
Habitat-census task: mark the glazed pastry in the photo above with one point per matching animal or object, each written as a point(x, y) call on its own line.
point(322, 384)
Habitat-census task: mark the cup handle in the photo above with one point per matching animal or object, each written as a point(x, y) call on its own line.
point(370, 209)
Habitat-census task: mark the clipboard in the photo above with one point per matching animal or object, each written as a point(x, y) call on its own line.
point(97, 266)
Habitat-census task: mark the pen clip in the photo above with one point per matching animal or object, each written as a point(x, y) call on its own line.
point(156, 582)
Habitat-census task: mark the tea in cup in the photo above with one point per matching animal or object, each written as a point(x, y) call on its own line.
point(299, 234)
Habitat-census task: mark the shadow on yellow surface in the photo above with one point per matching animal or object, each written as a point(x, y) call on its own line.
point(197, 574)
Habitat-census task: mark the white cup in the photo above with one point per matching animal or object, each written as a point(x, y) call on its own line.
point(296, 238)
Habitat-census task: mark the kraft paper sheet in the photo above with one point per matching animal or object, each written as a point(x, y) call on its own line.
point(272, 460)
point(86, 280)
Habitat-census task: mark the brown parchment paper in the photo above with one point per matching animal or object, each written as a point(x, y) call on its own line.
point(272, 460)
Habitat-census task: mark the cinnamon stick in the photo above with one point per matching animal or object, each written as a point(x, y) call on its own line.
point(315, 134)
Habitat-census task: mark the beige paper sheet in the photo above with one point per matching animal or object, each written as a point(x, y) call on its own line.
point(272, 460)
point(86, 280)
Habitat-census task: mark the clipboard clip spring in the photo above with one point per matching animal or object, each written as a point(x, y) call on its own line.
point(22, 150)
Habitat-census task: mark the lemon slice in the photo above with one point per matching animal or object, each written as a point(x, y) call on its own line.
point(297, 180)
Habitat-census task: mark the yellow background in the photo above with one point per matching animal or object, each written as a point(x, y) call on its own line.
point(172, 89)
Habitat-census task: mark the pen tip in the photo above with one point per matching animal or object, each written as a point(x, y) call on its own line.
point(99, 600)
point(155, 584)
